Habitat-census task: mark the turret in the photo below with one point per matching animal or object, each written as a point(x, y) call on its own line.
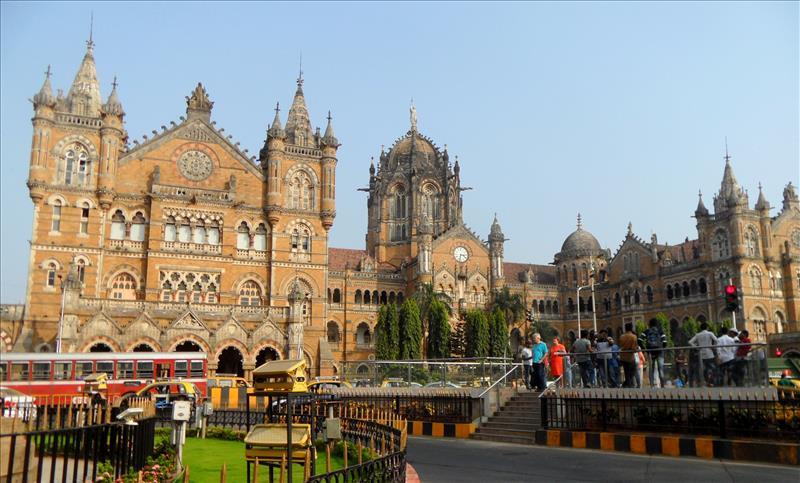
point(329, 145)
point(271, 156)
point(44, 113)
point(112, 138)
point(298, 124)
point(83, 97)
point(701, 211)
point(496, 241)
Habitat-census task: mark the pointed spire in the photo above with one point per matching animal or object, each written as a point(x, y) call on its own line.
point(84, 97)
point(371, 166)
point(701, 209)
point(495, 232)
point(45, 95)
point(329, 139)
point(730, 193)
point(112, 105)
point(298, 123)
point(276, 130)
point(580, 223)
point(761, 204)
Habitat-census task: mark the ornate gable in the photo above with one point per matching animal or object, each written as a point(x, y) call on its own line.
point(460, 231)
point(143, 326)
point(232, 329)
point(189, 321)
point(268, 331)
point(100, 324)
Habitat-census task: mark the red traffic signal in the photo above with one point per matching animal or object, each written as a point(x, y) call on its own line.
point(730, 290)
point(731, 298)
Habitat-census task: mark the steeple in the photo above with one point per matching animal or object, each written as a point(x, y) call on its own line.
point(495, 232)
point(329, 139)
point(45, 95)
point(730, 193)
point(701, 209)
point(84, 97)
point(113, 106)
point(276, 130)
point(761, 204)
point(298, 124)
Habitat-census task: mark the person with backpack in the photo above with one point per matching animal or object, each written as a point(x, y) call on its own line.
point(654, 340)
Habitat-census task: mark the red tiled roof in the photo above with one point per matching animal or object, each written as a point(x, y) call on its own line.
point(341, 258)
point(543, 273)
point(681, 252)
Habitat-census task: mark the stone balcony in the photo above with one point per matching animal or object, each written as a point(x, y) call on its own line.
point(250, 254)
point(126, 245)
point(189, 247)
point(112, 305)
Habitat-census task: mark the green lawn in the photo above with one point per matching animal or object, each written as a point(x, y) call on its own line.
point(204, 457)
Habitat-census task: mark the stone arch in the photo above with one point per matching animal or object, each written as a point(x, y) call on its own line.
point(62, 144)
point(146, 341)
point(220, 346)
point(258, 279)
point(230, 358)
point(178, 339)
point(333, 331)
point(300, 222)
point(305, 279)
point(100, 339)
point(312, 175)
point(124, 267)
point(267, 345)
point(57, 196)
point(195, 146)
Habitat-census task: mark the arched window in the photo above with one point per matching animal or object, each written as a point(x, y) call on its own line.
point(170, 230)
point(751, 242)
point(759, 321)
point(197, 293)
point(199, 233)
point(542, 306)
point(430, 202)
point(636, 297)
point(301, 192)
point(693, 287)
point(607, 304)
point(555, 306)
point(212, 233)
point(301, 239)
point(670, 293)
point(574, 274)
point(76, 167)
point(755, 280)
point(243, 236)
point(118, 226)
point(358, 298)
point(123, 287)
point(617, 301)
point(184, 231)
point(260, 238)
point(80, 266)
point(376, 298)
point(366, 297)
point(333, 332)
point(51, 274)
point(686, 290)
point(56, 223)
point(337, 296)
point(780, 322)
point(137, 227)
point(401, 297)
point(570, 305)
point(649, 291)
point(702, 287)
point(626, 298)
point(211, 294)
point(84, 225)
point(398, 209)
point(677, 290)
point(249, 293)
point(719, 245)
point(363, 335)
point(181, 292)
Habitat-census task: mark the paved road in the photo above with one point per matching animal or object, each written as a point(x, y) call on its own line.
point(457, 460)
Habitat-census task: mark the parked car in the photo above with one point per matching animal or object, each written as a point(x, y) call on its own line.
point(441, 384)
point(398, 382)
point(17, 405)
point(322, 384)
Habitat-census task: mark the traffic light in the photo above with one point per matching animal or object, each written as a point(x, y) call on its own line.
point(731, 298)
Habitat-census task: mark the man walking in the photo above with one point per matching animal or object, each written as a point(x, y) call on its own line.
point(705, 340)
point(603, 359)
point(727, 353)
point(527, 361)
point(582, 349)
point(654, 339)
point(539, 354)
point(628, 346)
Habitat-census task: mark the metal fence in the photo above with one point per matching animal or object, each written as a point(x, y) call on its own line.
point(765, 413)
point(464, 372)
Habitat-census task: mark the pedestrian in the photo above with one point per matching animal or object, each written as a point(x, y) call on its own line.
point(603, 356)
point(640, 362)
point(740, 364)
point(680, 367)
point(526, 356)
point(582, 349)
point(706, 340)
point(654, 340)
point(628, 346)
point(613, 364)
point(539, 357)
point(727, 355)
point(557, 355)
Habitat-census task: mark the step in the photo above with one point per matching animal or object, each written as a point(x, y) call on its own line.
point(520, 411)
point(528, 419)
point(495, 426)
point(519, 432)
point(502, 438)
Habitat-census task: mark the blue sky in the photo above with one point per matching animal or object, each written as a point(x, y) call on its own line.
point(615, 110)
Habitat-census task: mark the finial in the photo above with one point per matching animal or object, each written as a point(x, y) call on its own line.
point(300, 76)
point(48, 73)
point(727, 156)
point(277, 107)
point(413, 115)
point(382, 147)
point(699, 193)
point(630, 228)
point(90, 42)
point(580, 225)
point(329, 116)
point(759, 186)
point(114, 83)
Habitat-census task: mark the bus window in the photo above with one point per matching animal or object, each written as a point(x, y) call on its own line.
point(106, 367)
point(83, 369)
point(197, 368)
point(19, 371)
point(3, 371)
point(125, 370)
point(144, 369)
point(63, 371)
point(181, 369)
point(41, 371)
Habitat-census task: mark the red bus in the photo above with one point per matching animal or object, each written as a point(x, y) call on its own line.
point(48, 374)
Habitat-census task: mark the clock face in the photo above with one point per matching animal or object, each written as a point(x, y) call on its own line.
point(461, 254)
point(195, 165)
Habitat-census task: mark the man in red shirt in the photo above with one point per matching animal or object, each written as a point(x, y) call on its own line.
point(740, 363)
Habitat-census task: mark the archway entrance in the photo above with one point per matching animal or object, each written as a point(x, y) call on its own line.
point(516, 340)
point(188, 346)
point(230, 361)
point(143, 348)
point(100, 347)
point(265, 355)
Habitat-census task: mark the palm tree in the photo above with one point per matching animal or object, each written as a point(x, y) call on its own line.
point(510, 304)
point(424, 296)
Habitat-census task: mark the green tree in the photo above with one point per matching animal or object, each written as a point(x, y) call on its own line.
point(477, 334)
point(425, 296)
point(510, 304)
point(689, 328)
point(439, 330)
point(545, 329)
point(663, 321)
point(410, 331)
point(387, 334)
point(458, 339)
point(640, 327)
point(498, 334)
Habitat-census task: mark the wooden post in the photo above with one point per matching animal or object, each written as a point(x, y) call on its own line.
point(283, 465)
point(223, 474)
point(140, 477)
point(255, 471)
point(359, 451)
point(307, 465)
point(328, 457)
point(344, 451)
point(185, 475)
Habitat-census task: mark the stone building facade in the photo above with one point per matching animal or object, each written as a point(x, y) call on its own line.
point(185, 242)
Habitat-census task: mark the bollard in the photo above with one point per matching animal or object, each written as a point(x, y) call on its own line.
point(328, 458)
point(255, 471)
point(223, 473)
point(185, 475)
point(344, 451)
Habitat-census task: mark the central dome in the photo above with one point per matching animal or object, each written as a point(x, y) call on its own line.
point(580, 243)
point(421, 145)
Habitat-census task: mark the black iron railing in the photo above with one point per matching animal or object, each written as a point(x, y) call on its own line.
point(74, 454)
point(724, 413)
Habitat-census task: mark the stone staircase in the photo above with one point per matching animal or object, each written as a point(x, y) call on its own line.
point(515, 422)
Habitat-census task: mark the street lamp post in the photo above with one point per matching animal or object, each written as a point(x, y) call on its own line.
point(60, 316)
point(578, 304)
point(591, 282)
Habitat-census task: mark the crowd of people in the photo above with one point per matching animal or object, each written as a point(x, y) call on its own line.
point(598, 360)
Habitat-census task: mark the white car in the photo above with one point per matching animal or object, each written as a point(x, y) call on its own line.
point(17, 405)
